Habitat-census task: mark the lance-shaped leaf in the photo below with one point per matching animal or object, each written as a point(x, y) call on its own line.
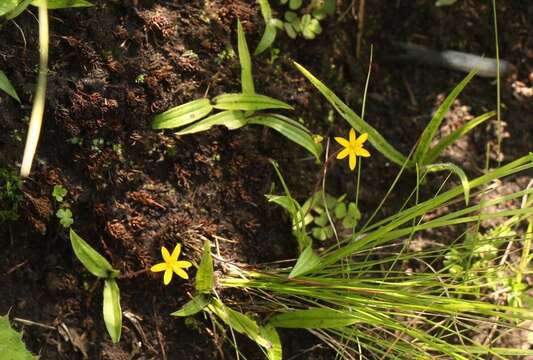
point(435, 151)
point(182, 115)
point(11, 345)
point(204, 276)
point(434, 124)
point(248, 102)
point(355, 121)
point(271, 334)
point(95, 263)
point(457, 171)
point(6, 86)
point(307, 261)
point(239, 322)
point(7, 5)
point(270, 29)
point(230, 119)
point(315, 318)
point(291, 129)
point(111, 309)
point(195, 305)
point(247, 81)
point(63, 4)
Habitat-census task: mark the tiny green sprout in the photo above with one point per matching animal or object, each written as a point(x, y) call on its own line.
point(65, 217)
point(59, 193)
point(140, 79)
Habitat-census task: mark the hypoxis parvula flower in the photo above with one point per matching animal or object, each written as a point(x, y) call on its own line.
point(171, 265)
point(353, 147)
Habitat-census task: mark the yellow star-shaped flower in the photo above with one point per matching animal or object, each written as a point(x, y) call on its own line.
point(171, 265)
point(352, 147)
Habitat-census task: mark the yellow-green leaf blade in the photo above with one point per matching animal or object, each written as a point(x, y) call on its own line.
point(247, 81)
point(271, 334)
point(63, 4)
point(291, 130)
point(434, 124)
point(195, 305)
point(183, 114)
point(112, 310)
point(314, 318)
point(307, 261)
point(246, 102)
point(6, 86)
point(11, 345)
point(204, 276)
point(95, 263)
point(230, 119)
point(457, 171)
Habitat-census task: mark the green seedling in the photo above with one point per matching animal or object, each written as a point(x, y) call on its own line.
point(10, 195)
point(65, 217)
point(97, 265)
point(237, 110)
point(59, 193)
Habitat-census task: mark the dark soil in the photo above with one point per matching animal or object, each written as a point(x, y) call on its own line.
point(132, 190)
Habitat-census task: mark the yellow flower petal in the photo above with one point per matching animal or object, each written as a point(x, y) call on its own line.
point(181, 273)
point(176, 252)
point(352, 135)
point(361, 139)
point(362, 152)
point(159, 267)
point(165, 254)
point(343, 153)
point(183, 264)
point(168, 276)
point(342, 141)
point(352, 161)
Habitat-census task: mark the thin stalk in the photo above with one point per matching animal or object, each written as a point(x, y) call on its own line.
point(37, 112)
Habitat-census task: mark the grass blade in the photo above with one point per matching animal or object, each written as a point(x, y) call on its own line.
point(182, 115)
point(247, 102)
point(270, 30)
point(247, 81)
point(434, 152)
point(315, 318)
point(434, 124)
point(6, 86)
point(204, 276)
point(195, 305)
point(291, 130)
point(111, 309)
point(63, 4)
point(457, 171)
point(271, 334)
point(355, 121)
point(230, 119)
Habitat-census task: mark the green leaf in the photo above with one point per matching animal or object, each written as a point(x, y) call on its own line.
point(267, 39)
point(445, 2)
point(65, 217)
point(248, 102)
point(270, 28)
point(204, 276)
point(340, 211)
point(95, 263)
point(111, 309)
point(314, 318)
point(457, 171)
point(59, 193)
point(6, 86)
point(295, 4)
point(230, 119)
point(195, 305)
point(11, 345)
point(247, 81)
point(434, 124)
point(291, 129)
point(183, 114)
point(63, 4)
point(290, 16)
point(239, 322)
point(18, 10)
point(434, 152)
point(7, 5)
point(271, 334)
point(374, 137)
point(306, 262)
point(289, 29)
